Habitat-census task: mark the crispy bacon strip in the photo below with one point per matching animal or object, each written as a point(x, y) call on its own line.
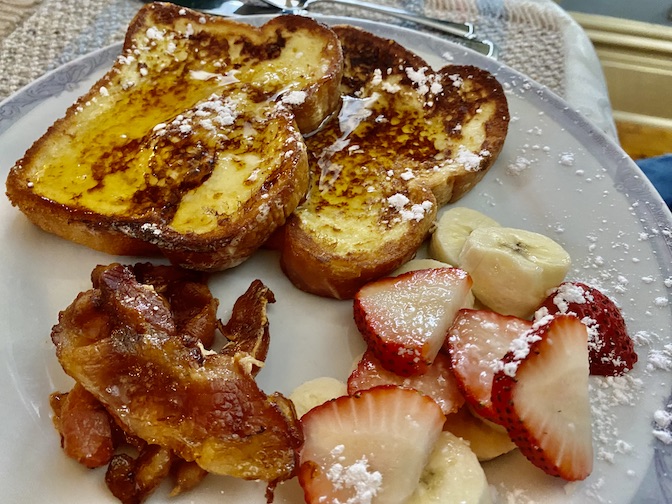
point(247, 329)
point(121, 342)
point(193, 307)
point(187, 476)
point(133, 480)
point(84, 425)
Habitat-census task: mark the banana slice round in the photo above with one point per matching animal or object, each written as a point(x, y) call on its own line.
point(315, 392)
point(452, 475)
point(486, 439)
point(512, 269)
point(452, 229)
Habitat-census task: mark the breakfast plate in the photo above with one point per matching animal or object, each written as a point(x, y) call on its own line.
point(557, 174)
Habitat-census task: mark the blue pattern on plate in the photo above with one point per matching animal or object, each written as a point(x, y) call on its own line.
point(54, 83)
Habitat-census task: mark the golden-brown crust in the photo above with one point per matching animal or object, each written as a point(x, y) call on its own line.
point(337, 276)
point(236, 236)
point(405, 134)
point(319, 268)
point(126, 169)
point(323, 96)
point(480, 89)
point(365, 52)
point(265, 43)
point(75, 226)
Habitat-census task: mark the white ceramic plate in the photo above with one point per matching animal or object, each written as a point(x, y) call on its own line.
point(557, 175)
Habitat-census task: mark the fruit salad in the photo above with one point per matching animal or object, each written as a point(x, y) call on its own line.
point(480, 350)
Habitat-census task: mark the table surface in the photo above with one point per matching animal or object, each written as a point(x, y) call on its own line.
point(535, 37)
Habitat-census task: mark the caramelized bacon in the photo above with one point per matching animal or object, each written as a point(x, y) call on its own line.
point(132, 480)
point(193, 307)
point(84, 425)
point(187, 476)
point(247, 329)
point(121, 341)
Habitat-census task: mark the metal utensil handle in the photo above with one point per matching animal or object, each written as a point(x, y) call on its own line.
point(459, 29)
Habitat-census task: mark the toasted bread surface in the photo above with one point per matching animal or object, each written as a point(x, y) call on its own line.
point(191, 144)
point(293, 59)
point(407, 140)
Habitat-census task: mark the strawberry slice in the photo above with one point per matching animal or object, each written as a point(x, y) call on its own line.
point(438, 382)
point(540, 391)
point(368, 448)
point(404, 319)
point(611, 350)
point(476, 341)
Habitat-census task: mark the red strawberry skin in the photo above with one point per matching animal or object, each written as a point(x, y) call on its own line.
point(476, 341)
point(368, 447)
point(611, 350)
point(438, 382)
point(404, 319)
point(541, 393)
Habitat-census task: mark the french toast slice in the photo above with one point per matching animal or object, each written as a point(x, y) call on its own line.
point(191, 145)
point(406, 141)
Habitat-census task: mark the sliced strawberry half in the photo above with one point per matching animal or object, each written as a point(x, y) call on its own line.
point(438, 382)
point(404, 319)
point(540, 392)
point(370, 447)
point(476, 341)
point(611, 350)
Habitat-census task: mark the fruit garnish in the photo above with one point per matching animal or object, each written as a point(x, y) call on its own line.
point(452, 230)
point(453, 474)
point(540, 392)
point(438, 382)
point(487, 440)
point(476, 341)
point(512, 269)
point(369, 447)
point(611, 350)
point(316, 391)
point(404, 319)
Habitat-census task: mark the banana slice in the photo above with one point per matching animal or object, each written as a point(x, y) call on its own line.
point(452, 475)
point(419, 264)
point(315, 392)
point(452, 229)
point(486, 439)
point(512, 269)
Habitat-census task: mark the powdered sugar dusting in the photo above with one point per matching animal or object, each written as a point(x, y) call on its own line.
point(520, 347)
point(606, 394)
point(425, 79)
point(471, 161)
point(661, 428)
point(416, 211)
point(567, 159)
point(457, 80)
point(356, 477)
point(294, 97)
point(518, 165)
point(154, 33)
